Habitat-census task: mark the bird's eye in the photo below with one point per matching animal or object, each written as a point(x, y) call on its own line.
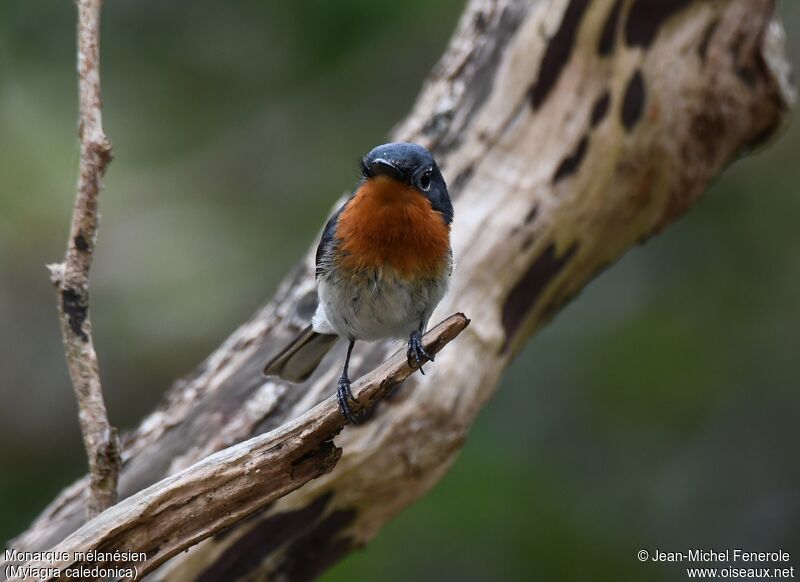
point(425, 180)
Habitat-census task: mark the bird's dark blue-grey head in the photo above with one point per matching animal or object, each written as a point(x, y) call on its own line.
point(413, 165)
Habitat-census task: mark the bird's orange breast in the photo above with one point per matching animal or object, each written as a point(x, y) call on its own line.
point(388, 223)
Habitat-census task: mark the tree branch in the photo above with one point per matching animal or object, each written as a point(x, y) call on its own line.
point(71, 277)
point(226, 487)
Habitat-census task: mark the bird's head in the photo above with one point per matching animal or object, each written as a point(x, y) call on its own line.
point(409, 166)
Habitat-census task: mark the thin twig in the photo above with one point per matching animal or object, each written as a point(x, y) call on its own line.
point(71, 277)
point(220, 490)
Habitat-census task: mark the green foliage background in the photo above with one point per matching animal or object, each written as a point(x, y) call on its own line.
point(659, 410)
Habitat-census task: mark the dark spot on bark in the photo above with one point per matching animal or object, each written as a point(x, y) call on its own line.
point(438, 123)
point(708, 130)
point(532, 213)
point(527, 242)
point(736, 45)
point(318, 459)
point(318, 549)
point(480, 22)
point(80, 243)
point(76, 308)
point(527, 290)
point(558, 52)
point(609, 34)
point(570, 164)
point(462, 179)
point(646, 17)
point(748, 76)
point(600, 108)
point(633, 102)
point(246, 553)
point(744, 70)
point(705, 40)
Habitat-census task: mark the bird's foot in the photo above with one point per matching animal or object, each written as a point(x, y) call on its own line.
point(344, 395)
point(417, 354)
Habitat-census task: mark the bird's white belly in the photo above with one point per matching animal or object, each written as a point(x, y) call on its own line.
point(375, 306)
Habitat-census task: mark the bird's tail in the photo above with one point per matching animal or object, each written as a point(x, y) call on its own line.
point(301, 357)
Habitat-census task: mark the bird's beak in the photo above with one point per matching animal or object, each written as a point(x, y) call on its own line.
point(382, 167)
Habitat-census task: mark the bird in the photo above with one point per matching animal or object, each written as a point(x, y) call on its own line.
point(383, 264)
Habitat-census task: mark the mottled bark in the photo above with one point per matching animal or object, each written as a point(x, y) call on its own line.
point(569, 131)
point(71, 278)
point(231, 485)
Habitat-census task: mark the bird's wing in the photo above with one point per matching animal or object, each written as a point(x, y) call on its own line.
point(327, 242)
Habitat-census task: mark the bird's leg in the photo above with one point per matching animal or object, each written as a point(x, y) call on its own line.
point(416, 352)
point(343, 392)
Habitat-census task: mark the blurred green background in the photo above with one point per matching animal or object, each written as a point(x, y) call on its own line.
point(659, 410)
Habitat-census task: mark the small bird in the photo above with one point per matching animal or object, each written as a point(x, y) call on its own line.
point(382, 265)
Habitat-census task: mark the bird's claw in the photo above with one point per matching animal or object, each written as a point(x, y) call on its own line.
point(416, 353)
point(344, 394)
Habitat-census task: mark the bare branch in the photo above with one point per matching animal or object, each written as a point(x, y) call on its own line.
point(226, 487)
point(71, 277)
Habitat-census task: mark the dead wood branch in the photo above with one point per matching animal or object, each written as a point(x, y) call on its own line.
point(230, 485)
point(71, 277)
